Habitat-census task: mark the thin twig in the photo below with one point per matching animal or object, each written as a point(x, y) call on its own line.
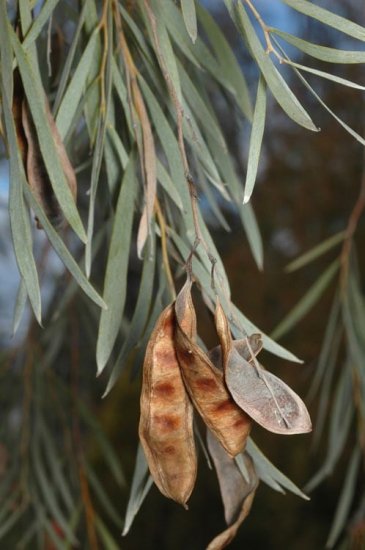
point(265, 29)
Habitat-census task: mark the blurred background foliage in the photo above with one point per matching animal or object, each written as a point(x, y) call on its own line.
point(67, 456)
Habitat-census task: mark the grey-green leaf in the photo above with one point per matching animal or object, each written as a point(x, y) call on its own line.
point(307, 301)
point(189, 15)
point(330, 55)
point(328, 18)
point(37, 106)
point(257, 132)
point(279, 88)
point(115, 283)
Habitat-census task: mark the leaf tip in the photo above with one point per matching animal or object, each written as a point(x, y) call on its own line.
point(246, 198)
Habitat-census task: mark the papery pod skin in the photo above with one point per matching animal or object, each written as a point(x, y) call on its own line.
point(207, 389)
point(237, 493)
point(255, 341)
point(166, 421)
point(262, 395)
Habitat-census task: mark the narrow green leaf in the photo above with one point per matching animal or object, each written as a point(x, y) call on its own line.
point(257, 132)
point(315, 252)
point(243, 326)
point(99, 147)
point(140, 314)
point(189, 15)
point(266, 469)
point(252, 230)
point(36, 101)
point(346, 498)
point(115, 282)
point(199, 106)
point(331, 55)
point(62, 251)
point(280, 90)
point(69, 60)
point(328, 18)
point(307, 301)
point(168, 185)
point(20, 303)
point(38, 24)
point(164, 49)
point(76, 87)
point(359, 138)
point(19, 218)
point(328, 76)
point(230, 71)
point(141, 484)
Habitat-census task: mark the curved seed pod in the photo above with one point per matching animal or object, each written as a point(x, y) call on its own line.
point(35, 169)
point(262, 395)
point(237, 493)
point(255, 342)
point(166, 421)
point(206, 386)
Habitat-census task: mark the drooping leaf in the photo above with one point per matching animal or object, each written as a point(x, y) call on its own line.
point(280, 90)
point(115, 283)
point(315, 252)
point(189, 15)
point(327, 76)
point(331, 55)
point(257, 132)
point(328, 18)
point(307, 301)
point(141, 484)
point(50, 143)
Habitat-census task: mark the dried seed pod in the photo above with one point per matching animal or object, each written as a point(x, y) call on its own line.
point(166, 421)
point(35, 169)
point(262, 395)
point(206, 386)
point(255, 342)
point(236, 491)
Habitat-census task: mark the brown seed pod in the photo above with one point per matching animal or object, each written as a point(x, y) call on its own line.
point(35, 169)
point(261, 394)
point(206, 386)
point(166, 421)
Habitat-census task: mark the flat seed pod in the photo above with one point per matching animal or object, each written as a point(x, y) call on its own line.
point(166, 421)
point(237, 493)
point(255, 342)
point(266, 398)
point(262, 395)
point(206, 386)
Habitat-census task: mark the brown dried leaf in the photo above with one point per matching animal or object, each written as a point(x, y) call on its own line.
point(35, 169)
point(166, 421)
point(237, 493)
point(255, 342)
point(262, 395)
point(206, 386)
